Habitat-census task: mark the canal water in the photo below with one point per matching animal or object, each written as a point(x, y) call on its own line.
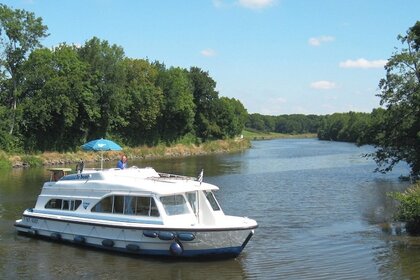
point(322, 214)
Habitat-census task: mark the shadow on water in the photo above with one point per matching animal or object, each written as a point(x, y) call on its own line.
point(52, 260)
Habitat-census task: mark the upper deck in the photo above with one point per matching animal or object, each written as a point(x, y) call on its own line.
point(138, 180)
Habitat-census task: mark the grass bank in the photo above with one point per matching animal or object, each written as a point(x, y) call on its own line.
point(143, 152)
point(258, 135)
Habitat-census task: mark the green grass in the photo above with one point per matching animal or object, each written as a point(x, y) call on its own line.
point(32, 160)
point(261, 135)
point(4, 161)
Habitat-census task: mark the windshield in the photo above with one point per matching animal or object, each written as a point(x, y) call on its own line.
point(212, 200)
point(175, 205)
point(192, 199)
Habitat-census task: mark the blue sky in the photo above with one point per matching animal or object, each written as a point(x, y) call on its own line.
point(275, 56)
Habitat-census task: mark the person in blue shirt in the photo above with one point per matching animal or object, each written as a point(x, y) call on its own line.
point(122, 163)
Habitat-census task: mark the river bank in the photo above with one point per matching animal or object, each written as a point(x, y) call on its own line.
point(143, 152)
point(259, 135)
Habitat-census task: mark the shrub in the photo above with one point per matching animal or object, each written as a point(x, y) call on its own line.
point(408, 210)
point(32, 160)
point(4, 161)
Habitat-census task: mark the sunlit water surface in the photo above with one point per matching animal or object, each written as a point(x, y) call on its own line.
point(322, 214)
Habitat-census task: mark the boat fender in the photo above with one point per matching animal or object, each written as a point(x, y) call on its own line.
point(56, 236)
point(166, 235)
point(108, 243)
point(176, 249)
point(149, 233)
point(132, 247)
point(79, 239)
point(186, 236)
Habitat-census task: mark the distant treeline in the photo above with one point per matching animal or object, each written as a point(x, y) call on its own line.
point(70, 94)
point(290, 124)
point(359, 128)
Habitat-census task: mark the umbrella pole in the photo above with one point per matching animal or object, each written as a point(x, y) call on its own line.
point(102, 160)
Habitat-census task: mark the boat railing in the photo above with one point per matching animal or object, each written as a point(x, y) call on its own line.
point(175, 176)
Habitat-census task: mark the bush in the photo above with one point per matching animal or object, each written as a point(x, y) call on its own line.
point(4, 161)
point(189, 139)
point(32, 160)
point(408, 210)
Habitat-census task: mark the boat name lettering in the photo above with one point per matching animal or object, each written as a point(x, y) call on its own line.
point(83, 176)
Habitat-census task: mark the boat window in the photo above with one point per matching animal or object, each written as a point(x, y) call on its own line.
point(212, 200)
point(128, 205)
point(54, 204)
point(104, 206)
point(142, 206)
point(174, 204)
point(192, 199)
point(145, 206)
point(63, 204)
point(153, 211)
point(118, 204)
point(76, 204)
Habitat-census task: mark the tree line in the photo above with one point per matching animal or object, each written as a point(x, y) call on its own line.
point(289, 124)
point(58, 98)
point(355, 127)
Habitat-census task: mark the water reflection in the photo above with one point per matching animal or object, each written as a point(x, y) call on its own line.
point(55, 261)
point(398, 257)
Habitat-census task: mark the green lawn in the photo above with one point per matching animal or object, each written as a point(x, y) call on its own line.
point(259, 135)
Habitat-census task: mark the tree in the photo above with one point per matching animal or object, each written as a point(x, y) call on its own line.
point(400, 94)
point(57, 103)
point(21, 32)
point(107, 80)
point(145, 102)
point(179, 108)
point(232, 116)
point(205, 100)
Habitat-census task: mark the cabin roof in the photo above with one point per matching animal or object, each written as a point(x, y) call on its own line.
point(132, 180)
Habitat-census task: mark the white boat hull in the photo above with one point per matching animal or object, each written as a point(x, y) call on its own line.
point(139, 238)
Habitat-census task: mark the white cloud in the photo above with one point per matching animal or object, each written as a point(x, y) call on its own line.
point(317, 41)
point(324, 85)
point(256, 4)
point(363, 63)
point(208, 52)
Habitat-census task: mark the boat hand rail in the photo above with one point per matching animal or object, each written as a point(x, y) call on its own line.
point(114, 191)
point(174, 176)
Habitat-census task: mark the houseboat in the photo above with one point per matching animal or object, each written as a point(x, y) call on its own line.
point(138, 211)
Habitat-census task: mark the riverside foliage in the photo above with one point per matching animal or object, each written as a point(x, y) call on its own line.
point(58, 98)
point(408, 210)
